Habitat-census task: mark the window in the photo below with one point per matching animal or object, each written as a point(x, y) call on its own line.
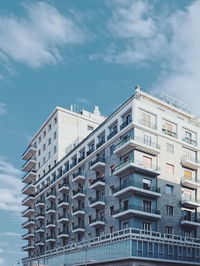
point(147, 119)
point(49, 141)
point(169, 210)
point(190, 137)
point(111, 210)
point(54, 149)
point(125, 225)
point(187, 195)
point(112, 169)
point(147, 140)
point(90, 128)
point(169, 128)
point(49, 127)
point(170, 168)
point(111, 229)
point(39, 139)
point(49, 155)
point(44, 147)
point(170, 148)
point(146, 183)
point(39, 152)
point(54, 135)
point(169, 230)
point(146, 226)
point(147, 205)
point(169, 189)
point(44, 133)
point(55, 120)
point(44, 160)
point(188, 174)
point(147, 161)
point(187, 233)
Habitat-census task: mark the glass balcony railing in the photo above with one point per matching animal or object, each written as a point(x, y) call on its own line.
point(125, 123)
point(112, 134)
point(101, 160)
point(190, 141)
point(136, 208)
point(139, 163)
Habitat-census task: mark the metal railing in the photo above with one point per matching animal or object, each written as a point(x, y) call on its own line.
point(125, 123)
point(102, 199)
point(138, 185)
point(77, 191)
point(100, 143)
point(147, 123)
point(97, 219)
point(28, 221)
point(137, 208)
point(112, 134)
point(97, 180)
point(169, 132)
point(190, 158)
point(101, 160)
point(190, 141)
point(27, 209)
point(79, 208)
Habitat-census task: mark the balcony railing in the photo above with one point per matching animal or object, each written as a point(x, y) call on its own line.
point(94, 181)
point(190, 141)
point(190, 158)
point(140, 163)
point(140, 140)
point(62, 216)
point(64, 232)
point(112, 134)
point(28, 221)
point(138, 185)
point(169, 132)
point(190, 219)
point(50, 222)
point(136, 208)
point(147, 123)
point(79, 226)
point(78, 173)
point(79, 208)
point(125, 123)
point(77, 191)
point(50, 208)
point(97, 199)
point(29, 208)
point(101, 160)
point(50, 237)
point(81, 158)
point(97, 219)
point(90, 151)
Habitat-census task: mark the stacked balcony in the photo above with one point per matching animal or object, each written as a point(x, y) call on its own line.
point(97, 184)
point(79, 177)
point(190, 221)
point(133, 187)
point(78, 194)
point(78, 228)
point(51, 196)
point(78, 211)
point(29, 200)
point(168, 132)
point(138, 143)
point(98, 165)
point(51, 210)
point(63, 187)
point(28, 212)
point(63, 234)
point(50, 238)
point(29, 235)
point(189, 183)
point(29, 152)
point(28, 224)
point(134, 210)
point(28, 247)
point(97, 203)
point(40, 203)
point(29, 189)
point(63, 203)
point(39, 216)
point(190, 203)
point(63, 218)
point(39, 242)
point(29, 165)
point(98, 222)
point(190, 162)
point(39, 229)
point(29, 177)
point(133, 165)
point(50, 224)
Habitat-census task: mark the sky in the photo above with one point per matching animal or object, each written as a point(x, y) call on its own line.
point(86, 53)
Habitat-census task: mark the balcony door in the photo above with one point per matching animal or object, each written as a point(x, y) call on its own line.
point(146, 205)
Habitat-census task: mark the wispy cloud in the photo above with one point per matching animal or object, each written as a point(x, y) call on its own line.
point(37, 39)
point(10, 186)
point(14, 234)
point(3, 110)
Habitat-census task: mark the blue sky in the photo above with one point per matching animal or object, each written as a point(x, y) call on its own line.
point(57, 53)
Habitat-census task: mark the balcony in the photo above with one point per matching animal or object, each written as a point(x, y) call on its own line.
point(133, 187)
point(112, 134)
point(125, 124)
point(97, 184)
point(190, 203)
point(100, 143)
point(97, 203)
point(78, 194)
point(28, 212)
point(63, 218)
point(131, 165)
point(190, 222)
point(40, 203)
point(78, 211)
point(39, 216)
point(63, 234)
point(28, 247)
point(29, 152)
point(189, 183)
point(190, 141)
point(90, 151)
point(29, 200)
point(63, 203)
point(133, 210)
point(28, 166)
point(147, 123)
point(80, 159)
point(78, 229)
point(98, 165)
point(98, 222)
point(63, 187)
point(29, 223)
point(51, 196)
point(50, 210)
point(169, 132)
point(50, 224)
point(29, 189)
point(39, 242)
point(50, 238)
point(79, 177)
point(39, 229)
point(190, 162)
point(28, 235)
point(137, 143)
point(29, 177)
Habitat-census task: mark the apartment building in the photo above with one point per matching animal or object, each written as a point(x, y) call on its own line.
point(124, 193)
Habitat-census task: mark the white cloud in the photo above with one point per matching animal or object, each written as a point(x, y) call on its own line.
point(37, 39)
point(2, 261)
point(3, 110)
point(10, 234)
point(10, 187)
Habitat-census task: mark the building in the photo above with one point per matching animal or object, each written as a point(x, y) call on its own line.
point(125, 193)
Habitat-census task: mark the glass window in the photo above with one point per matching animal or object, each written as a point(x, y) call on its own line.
point(170, 168)
point(55, 135)
point(169, 230)
point(169, 189)
point(146, 183)
point(169, 210)
point(146, 226)
point(147, 119)
point(170, 148)
point(112, 147)
point(147, 205)
point(147, 161)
